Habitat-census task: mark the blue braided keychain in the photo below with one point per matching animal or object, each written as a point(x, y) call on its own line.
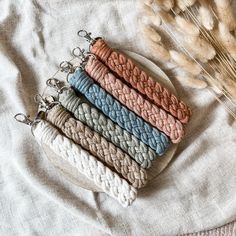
point(125, 118)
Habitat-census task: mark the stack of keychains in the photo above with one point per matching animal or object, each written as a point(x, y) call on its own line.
point(111, 122)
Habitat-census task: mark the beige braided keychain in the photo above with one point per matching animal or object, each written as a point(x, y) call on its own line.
point(97, 145)
point(85, 163)
point(126, 69)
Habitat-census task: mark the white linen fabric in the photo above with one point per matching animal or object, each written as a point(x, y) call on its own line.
point(195, 192)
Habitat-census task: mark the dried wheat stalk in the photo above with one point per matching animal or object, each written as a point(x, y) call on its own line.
point(207, 45)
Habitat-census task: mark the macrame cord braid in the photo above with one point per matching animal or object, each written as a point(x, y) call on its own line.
point(118, 113)
point(138, 79)
point(96, 171)
point(98, 146)
point(93, 118)
point(134, 101)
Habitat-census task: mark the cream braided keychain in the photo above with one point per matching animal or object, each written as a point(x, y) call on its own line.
point(134, 101)
point(137, 78)
point(96, 171)
point(91, 117)
point(98, 146)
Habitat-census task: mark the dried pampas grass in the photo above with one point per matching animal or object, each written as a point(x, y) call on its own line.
point(166, 5)
point(149, 12)
point(183, 4)
point(159, 52)
point(186, 26)
point(206, 17)
point(156, 49)
point(228, 84)
point(185, 62)
point(207, 54)
point(200, 48)
point(225, 13)
point(214, 83)
point(227, 39)
point(192, 82)
point(147, 2)
point(153, 35)
point(166, 17)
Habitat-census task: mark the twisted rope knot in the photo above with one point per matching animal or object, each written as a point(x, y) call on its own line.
point(82, 82)
point(104, 51)
point(139, 80)
point(98, 146)
point(122, 116)
point(104, 126)
point(69, 100)
point(86, 164)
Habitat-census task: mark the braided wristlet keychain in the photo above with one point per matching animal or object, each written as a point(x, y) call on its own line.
point(116, 112)
point(137, 78)
point(97, 146)
point(134, 101)
point(93, 118)
point(96, 171)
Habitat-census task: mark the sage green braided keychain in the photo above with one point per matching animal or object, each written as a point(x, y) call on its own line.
point(90, 116)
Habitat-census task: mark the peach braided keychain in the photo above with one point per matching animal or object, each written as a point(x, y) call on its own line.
point(131, 99)
point(137, 78)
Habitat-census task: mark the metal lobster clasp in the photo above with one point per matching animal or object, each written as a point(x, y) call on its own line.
point(56, 84)
point(22, 118)
point(86, 35)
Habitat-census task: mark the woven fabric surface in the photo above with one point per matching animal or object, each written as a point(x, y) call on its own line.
point(225, 230)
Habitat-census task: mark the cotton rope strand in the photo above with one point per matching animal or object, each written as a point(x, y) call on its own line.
point(97, 146)
point(138, 79)
point(126, 119)
point(93, 118)
point(158, 117)
point(96, 171)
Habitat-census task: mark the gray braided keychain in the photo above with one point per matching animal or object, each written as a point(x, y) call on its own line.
point(90, 116)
